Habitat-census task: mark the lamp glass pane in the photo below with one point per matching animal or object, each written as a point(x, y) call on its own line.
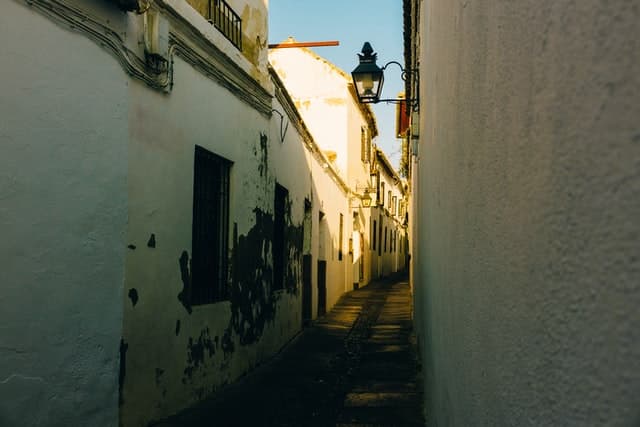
point(368, 85)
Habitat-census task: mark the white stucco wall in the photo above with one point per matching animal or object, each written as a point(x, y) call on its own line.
point(529, 204)
point(334, 118)
point(321, 95)
point(164, 132)
point(162, 375)
point(389, 261)
point(63, 212)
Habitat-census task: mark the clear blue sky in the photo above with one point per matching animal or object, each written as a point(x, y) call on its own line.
point(352, 22)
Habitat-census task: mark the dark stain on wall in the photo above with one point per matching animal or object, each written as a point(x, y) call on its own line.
point(252, 302)
point(227, 343)
point(159, 373)
point(123, 369)
point(177, 327)
point(264, 155)
point(185, 295)
point(196, 352)
point(293, 240)
point(133, 296)
point(251, 297)
point(152, 241)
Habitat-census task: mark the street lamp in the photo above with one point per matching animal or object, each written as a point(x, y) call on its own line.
point(366, 200)
point(367, 76)
point(368, 79)
point(362, 193)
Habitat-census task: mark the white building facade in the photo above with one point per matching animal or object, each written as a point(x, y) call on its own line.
point(345, 129)
point(169, 219)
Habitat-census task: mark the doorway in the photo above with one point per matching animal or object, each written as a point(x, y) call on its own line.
point(307, 291)
point(322, 265)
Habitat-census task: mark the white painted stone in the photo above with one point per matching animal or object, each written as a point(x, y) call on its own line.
point(63, 212)
point(528, 277)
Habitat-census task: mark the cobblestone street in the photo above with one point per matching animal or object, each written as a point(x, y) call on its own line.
point(356, 366)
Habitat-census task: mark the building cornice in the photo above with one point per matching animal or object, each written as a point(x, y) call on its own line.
point(208, 59)
point(184, 41)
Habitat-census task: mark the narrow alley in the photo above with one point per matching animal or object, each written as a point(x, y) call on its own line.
point(341, 213)
point(355, 366)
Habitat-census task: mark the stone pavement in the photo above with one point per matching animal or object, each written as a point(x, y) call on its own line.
point(355, 367)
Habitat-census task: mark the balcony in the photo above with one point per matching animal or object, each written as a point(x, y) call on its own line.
point(226, 20)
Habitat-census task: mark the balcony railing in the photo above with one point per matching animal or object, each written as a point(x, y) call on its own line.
point(226, 21)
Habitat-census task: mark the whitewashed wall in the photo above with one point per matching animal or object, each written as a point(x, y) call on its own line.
point(322, 95)
point(529, 205)
point(95, 163)
point(63, 212)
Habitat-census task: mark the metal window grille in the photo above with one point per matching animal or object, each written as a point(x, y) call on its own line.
point(210, 229)
point(226, 21)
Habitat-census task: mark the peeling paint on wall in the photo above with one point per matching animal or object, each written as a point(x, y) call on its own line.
point(133, 296)
point(254, 39)
point(185, 295)
point(159, 373)
point(294, 240)
point(196, 352)
point(123, 369)
point(252, 302)
point(263, 167)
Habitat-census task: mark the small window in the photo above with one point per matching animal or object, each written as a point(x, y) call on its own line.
point(381, 203)
point(210, 228)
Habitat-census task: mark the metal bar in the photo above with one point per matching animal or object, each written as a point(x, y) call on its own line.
point(304, 44)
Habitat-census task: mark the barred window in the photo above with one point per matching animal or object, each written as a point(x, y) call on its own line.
point(210, 229)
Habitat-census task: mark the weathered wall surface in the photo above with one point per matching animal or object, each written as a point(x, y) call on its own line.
point(325, 100)
point(63, 211)
point(178, 354)
point(529, 207)
point(253, 14)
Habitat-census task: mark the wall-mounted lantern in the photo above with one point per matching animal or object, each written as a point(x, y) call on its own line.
point(366, 200)
point(367, 76)
point(364, 196)
point(368, 79)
